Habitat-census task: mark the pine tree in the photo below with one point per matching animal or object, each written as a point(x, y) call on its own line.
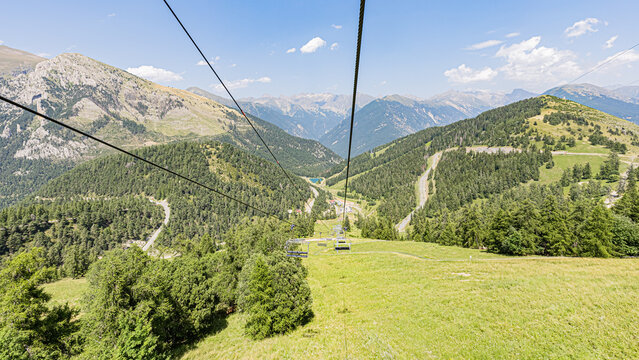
point(259, 299)
point(577, 173)
point(587, 172)
point(566, 178)
point(554, 233)
point(596, 234)
point(347, 224)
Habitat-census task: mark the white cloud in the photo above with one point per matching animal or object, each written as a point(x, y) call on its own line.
point(239, 84)
point(312, 45)
point(611, 42)
point(484, 44)
point(621, 58)
point(154, 74)
point(382, 83)
point(464, 74)
point(233, 65)
point(1, 42)
point(290, 51)
point(334, 46)
point(526, 61)
point(512, 35)
point(212, 61)
point(336, 26)
point(111, 15)
point(44, 55)
point(581, 27)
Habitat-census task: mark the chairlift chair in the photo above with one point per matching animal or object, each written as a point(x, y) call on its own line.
point(293, 246)
point(340, 243)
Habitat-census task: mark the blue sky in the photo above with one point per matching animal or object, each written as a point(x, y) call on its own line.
point(409, 47)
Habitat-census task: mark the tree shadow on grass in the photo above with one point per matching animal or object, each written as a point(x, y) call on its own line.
point(220, 323)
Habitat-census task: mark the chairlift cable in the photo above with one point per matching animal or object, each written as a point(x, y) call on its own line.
point(597, 67)
point(350, 135)
point(34, 112)
point(233, 98)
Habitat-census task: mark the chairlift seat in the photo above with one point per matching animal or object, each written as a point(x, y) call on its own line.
point(298, 252)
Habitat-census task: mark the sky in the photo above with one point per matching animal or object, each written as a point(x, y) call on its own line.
point(287, 47)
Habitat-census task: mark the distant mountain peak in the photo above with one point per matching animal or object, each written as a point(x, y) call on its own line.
point(14, 61)
point(125, 110)
point(617, 103)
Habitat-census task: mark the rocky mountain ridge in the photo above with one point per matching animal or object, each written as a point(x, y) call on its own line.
point(123, 109)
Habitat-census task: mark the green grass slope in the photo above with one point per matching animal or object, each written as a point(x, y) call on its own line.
point(416, 300)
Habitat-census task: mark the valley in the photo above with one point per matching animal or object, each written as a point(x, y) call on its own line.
point(126, 110)
point(498, 236)
point(477, 223)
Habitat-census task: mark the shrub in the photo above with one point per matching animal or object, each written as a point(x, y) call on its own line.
point(274, 292)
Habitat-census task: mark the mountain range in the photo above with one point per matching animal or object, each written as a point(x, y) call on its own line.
point(120, 108)
point(392, 117)
point(378, 121)
point(326, 117)
point(304, 115)
point(622, 102)
point(307, 132)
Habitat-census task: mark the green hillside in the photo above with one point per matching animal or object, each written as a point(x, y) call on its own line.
point(419, 300)
point(104, 203)
point(546, 124)
point(197, 211)
point(125, 110)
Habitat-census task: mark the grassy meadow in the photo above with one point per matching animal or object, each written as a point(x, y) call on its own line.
point(406, 300)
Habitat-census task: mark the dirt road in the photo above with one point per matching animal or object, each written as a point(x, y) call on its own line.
point(167, 213)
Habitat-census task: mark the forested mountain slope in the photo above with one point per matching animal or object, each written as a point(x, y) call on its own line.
point(536, 127)
point(394, 116)
point(194, 210)
point(103, 203)
point(123, 109)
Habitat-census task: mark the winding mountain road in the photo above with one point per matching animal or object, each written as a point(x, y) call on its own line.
point(167, 214)
point(308, 206)
point(422, 184)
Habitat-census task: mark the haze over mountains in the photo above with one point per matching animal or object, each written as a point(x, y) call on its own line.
point(326, 117)
point(305, 115)
point(385, 119)
point(394, 116)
